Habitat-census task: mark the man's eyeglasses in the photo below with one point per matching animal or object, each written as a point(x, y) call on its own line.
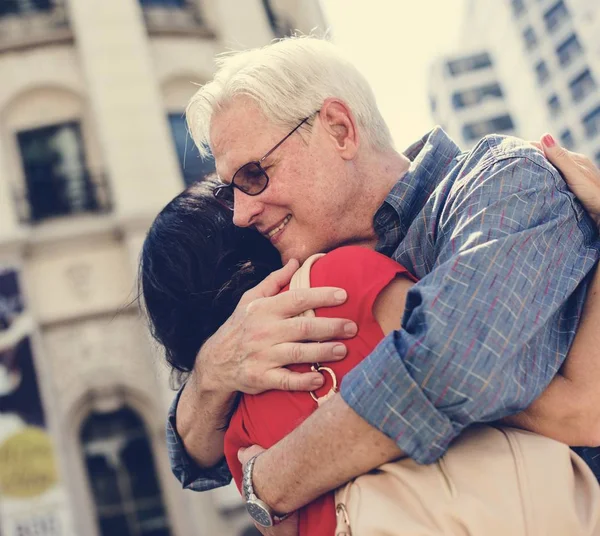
point(251, 178)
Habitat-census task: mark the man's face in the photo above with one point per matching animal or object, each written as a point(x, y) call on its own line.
point(306, 207)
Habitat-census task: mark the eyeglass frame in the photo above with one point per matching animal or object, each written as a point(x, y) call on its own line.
point(257, 163)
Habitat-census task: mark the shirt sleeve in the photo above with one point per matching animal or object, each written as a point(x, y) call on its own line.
point(488, 327)
point(189, 474)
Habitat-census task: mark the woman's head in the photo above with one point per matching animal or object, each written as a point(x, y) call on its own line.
point(195, 266)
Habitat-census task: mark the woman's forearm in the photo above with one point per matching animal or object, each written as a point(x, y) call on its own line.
point(569, 409)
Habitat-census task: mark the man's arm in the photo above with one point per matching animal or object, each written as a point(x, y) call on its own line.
point(247, 355)
point(477, 329)
point(569, 409)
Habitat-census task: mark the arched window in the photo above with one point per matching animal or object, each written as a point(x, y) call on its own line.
point(122, 475)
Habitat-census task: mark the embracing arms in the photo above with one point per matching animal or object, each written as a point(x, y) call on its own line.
point(569, 409)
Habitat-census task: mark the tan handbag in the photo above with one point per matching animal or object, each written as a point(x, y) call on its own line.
point(491, 481)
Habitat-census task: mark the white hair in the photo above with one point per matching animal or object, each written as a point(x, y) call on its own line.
point(289, 80)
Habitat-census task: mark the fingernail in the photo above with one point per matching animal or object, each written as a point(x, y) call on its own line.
point(548, 141)
point(317, 382)
point(339, 350)
point(239, 454)
point(350, 328)
point(340, 295)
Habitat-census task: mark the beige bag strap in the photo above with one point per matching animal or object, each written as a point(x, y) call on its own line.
point(301, 279)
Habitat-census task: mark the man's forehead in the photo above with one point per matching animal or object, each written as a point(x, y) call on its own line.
point(238, 134)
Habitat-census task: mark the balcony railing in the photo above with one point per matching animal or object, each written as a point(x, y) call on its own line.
point(174, 17)
point(28, 23)
point(48, 195)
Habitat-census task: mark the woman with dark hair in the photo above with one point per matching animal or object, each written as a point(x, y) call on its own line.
point(196, 266)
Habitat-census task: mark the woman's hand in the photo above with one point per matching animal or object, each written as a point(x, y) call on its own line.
point(580, 173)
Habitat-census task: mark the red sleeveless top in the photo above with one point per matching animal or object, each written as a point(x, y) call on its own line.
point(266, 418)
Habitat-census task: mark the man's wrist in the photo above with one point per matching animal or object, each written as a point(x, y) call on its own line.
point(267, 493)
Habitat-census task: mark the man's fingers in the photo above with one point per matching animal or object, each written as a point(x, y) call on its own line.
point(285, 380)
point(294, 302)
point(273, 283)
point(290, 353)
point(305, 328)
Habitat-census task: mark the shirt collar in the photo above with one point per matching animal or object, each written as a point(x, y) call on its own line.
point(431, 158)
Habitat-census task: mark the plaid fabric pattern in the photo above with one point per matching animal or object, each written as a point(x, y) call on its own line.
point(503, 252)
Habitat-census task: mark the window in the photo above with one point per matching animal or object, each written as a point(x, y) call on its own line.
point(582, 85)
point(57, 179)
point(591, 123)
point(474, 131)
point(163, 3)
point(569, 50)
point(541, 72)
point(530, 38)
point(122, 475)
point(518, 7)
point(279, 26)
point(556, 16)
point(16, 7)
point(566, 139)
point(554, 105)
point(193, 166)
point(470, 63)
point(475, 96)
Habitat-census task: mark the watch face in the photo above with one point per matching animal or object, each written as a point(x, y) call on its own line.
point(259, 513)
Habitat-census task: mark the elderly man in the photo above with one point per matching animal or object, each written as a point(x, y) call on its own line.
point(500, 246)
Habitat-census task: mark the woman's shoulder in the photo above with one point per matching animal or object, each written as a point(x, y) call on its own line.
point(352, 264)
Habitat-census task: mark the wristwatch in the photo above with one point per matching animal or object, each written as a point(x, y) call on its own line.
point(259, 510)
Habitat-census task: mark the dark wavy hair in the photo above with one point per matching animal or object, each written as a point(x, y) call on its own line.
point(195, 266)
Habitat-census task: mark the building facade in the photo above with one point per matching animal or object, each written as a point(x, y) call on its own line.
point(546, 57)
point(92, 145)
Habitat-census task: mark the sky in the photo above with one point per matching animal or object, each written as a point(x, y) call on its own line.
point(393, 43)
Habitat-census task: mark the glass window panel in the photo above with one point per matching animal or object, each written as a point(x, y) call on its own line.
point(554, 105)
point(123, 476)
point(591, 123)
point(530, 38)
point(582, 86)
point(193, 166)
point(56, 175)
point(470, 63)
point(163, 3)
point(569, 51)
point(542, 73)
point(566, 138)
point(556, 16)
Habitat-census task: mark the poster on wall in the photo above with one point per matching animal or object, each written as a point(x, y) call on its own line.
point(33, 501)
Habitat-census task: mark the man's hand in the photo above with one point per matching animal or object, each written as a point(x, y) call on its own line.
point(263, 335)
point(248, 354)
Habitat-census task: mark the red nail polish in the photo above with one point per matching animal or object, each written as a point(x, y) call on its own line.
point(548, 141)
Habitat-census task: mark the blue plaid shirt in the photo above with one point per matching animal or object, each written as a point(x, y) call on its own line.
point(503, 252)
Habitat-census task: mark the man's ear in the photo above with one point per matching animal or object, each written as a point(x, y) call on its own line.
point(339, 123)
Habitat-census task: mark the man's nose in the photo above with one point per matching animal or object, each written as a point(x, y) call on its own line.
point(246, 208)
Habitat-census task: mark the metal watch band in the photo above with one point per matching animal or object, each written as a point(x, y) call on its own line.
point(260, 511)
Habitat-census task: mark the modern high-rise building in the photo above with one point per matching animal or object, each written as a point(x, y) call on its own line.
point(546, 58)
point(92, 144)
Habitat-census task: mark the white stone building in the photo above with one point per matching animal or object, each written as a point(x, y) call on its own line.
point(92, 144)
point(546, 58)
